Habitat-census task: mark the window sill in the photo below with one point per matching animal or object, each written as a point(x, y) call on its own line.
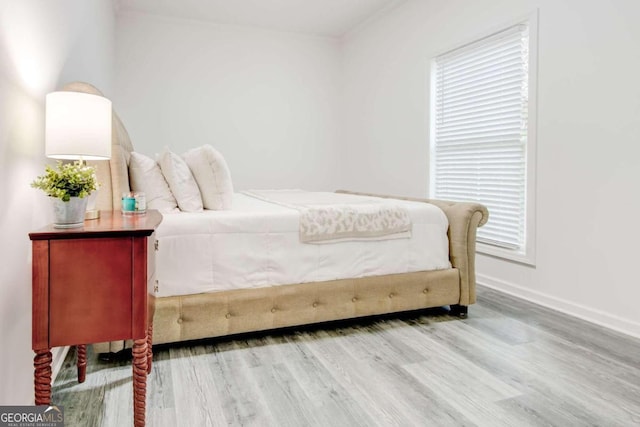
point(526, 257)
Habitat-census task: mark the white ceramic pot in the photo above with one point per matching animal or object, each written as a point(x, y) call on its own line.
point(69, 214)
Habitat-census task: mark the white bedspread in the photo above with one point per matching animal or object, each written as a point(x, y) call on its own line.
point(257, 244)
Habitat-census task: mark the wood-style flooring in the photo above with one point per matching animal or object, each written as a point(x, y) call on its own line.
point(510, 363)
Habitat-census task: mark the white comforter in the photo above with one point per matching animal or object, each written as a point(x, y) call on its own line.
point(257, 244)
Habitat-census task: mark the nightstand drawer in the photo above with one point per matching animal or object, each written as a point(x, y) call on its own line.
point(85, 273)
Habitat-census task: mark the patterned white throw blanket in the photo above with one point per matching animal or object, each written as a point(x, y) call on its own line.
point(331, 217)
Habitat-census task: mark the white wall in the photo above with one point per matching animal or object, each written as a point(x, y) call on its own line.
point(588, 147)
point(43, 45)
point(266, 100)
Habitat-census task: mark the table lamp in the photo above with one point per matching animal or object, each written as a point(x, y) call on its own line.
point(78, 127)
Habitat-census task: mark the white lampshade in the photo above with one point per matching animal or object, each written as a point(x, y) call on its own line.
point(78, 126)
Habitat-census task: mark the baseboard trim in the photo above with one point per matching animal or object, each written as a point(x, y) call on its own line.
point(59, 354)
point(588, 314)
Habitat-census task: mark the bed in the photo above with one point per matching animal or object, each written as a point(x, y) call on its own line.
point(268, 288)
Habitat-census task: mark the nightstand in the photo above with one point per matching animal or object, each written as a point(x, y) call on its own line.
point(95, 284)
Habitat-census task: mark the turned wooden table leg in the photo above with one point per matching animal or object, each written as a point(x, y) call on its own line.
point(149, 347)
point(82, 362)
point(139, 381)
point(42, 376)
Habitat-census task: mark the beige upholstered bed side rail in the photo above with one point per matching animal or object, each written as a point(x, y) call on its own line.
point(464, 219)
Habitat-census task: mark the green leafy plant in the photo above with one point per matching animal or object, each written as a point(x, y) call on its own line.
point(67, 180)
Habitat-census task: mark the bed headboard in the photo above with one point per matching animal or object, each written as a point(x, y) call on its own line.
point(113, 174)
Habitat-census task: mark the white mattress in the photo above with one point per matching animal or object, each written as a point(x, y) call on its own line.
point(257, 244)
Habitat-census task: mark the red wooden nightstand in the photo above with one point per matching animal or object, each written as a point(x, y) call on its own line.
point(95, 284)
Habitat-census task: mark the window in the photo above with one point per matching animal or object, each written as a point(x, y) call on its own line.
point(482, 133)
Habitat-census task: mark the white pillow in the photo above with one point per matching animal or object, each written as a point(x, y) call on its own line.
point(212, 175)
point(181, 182)
point(145, 175)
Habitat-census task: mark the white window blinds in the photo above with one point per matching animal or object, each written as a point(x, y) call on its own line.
point(480, 131)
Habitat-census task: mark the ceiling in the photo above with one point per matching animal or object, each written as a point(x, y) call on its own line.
point(329, 18)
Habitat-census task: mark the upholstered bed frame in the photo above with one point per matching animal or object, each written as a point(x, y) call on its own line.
point(190, 317)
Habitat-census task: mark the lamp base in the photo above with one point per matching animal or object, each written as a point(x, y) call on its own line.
point(92, 214)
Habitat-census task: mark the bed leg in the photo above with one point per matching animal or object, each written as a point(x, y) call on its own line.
point(459, 310)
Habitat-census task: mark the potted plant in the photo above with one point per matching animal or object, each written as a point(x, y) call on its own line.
point(68, 185)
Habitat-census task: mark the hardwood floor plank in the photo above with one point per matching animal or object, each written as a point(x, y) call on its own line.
point(458, 380)
point(160, 392)
point(374, 386)
point(600, 373)
point(331, 403)
point(117, 403)
point(161, 417)
point(510, 363)
point(197, 401)
point(580, 333)
point(552, 367)
point(419, 403)
point(238, 386)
